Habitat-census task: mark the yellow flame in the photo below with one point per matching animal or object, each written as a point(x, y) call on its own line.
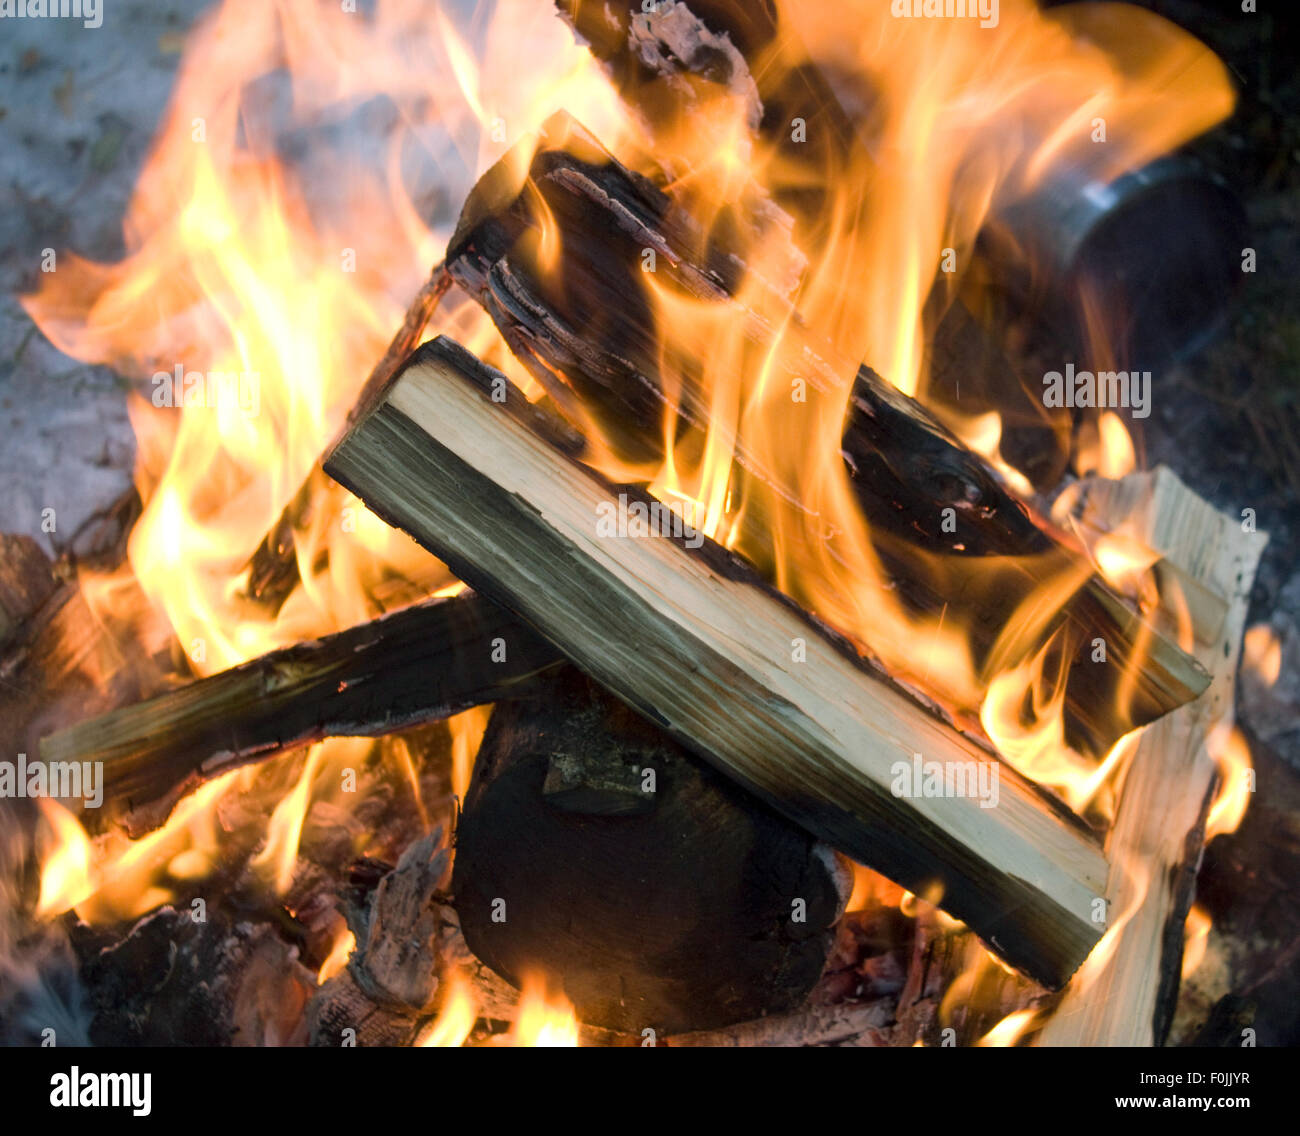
point(278, 857)
point(1227, 746)
point(467, 729)
point(337, 959)
point(65, 871)
point(116, 878)
point(1196, 936)
point(1009, 1030)
point(545, 1019)
point(451, 1028)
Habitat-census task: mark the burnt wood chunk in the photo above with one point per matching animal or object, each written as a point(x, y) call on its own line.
point(660, 895)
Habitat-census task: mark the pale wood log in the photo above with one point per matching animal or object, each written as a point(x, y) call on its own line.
point(1127, 997)
point(697, 642)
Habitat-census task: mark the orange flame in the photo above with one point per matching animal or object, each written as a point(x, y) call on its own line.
point(1261, 653)
point(1196, 937)
point(455, 1020)
point(1009, 1030)
point(1227, 745)
point(545, 1019)
point(337, 959)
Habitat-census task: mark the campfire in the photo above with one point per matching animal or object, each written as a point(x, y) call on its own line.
point(683, 625)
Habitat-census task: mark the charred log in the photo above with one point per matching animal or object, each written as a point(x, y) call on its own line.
point(422, 663)
point(652, 890)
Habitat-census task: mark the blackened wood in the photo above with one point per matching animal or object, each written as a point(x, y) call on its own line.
point(655, 57)
point(585, 330)
point(700, 909)
point(27, 580)
point(422, 663)
point(697, 642)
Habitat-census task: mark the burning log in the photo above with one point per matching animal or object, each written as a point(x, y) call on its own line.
point(652, 890)
point(422, 663)
point(60, 657)
point(175, 981)
point(1156, 841)
point(27, 580)
point(726, 665)
point(584, 327)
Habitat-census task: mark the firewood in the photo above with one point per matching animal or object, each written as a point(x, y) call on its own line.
point(1156, 841)
point(422, 663)
point(656, 58)
point(654, 892)
point(696, 641)
point(583, 328)
point(66, 661)
point(27, 580)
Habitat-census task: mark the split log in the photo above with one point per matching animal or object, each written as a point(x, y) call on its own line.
point(584, 327)
point(419, 664)
point(1156, 841)
point(698, 643)
point(596, 852)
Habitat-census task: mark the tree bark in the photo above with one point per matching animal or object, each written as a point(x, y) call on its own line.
point(419, 664)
